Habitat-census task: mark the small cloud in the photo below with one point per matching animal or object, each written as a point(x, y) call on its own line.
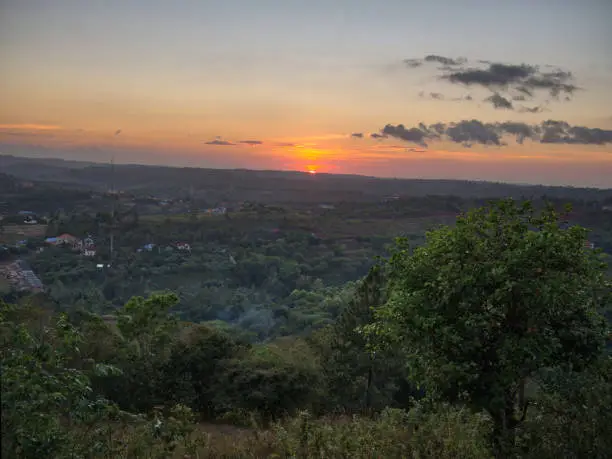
point(473, 131)
point(376, 135)
point(219, 142)
point(413, 135)
point(413, 63)
point(357, 135)
point(536, 109)
point(251, 142)
point(416, 150)
point(499, 102)
point(431, 95)
point(285, 144)
point(117, 132)
point(447, 61)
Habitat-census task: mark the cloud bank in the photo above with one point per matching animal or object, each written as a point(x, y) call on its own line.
point(507, 82)
point(468, 132)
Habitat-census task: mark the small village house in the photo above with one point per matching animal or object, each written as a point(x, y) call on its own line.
point(183, 246)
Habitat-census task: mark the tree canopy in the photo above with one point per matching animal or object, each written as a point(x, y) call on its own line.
point(486, 304)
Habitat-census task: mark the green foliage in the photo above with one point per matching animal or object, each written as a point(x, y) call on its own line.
point(447, 433)
point(147, 323)
point(356, 377)
point(572, 414)
point(43, 396)
point(270, 380)
point(494, 313)
point(193, 369)
point(485, 305)
point(146, 331)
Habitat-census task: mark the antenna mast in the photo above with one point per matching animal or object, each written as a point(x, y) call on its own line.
point(113, 197)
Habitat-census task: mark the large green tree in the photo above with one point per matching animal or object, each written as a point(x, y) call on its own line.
point(486, 304)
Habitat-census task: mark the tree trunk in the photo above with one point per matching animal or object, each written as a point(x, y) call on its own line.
point(504, 427)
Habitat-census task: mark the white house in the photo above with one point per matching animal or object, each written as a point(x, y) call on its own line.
point(89, 252)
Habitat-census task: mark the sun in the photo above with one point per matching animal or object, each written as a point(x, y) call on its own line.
point(312, 172)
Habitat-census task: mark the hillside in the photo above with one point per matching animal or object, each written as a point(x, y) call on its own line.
point(269, 186)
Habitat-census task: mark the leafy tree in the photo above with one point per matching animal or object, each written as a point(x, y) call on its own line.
point(270, 380)
point(356, 376)
point(486, 304)
point(44, 397)
point(572, 414)
point(194, 366)
point(147, 332)
point(147, 324)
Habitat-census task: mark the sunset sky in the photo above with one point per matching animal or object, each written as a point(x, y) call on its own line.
point(303, 85)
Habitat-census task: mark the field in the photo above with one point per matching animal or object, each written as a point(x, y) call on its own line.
point(11, 233)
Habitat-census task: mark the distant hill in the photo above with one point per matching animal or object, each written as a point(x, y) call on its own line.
point(269, 186)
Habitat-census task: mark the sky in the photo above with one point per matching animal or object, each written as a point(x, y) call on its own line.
point(516, 91)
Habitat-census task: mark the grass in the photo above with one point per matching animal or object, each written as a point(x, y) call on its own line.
point(5, 285)
point(12, 233)
point(449, 433)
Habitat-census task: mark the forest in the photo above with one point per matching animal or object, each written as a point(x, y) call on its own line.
point(479, 332)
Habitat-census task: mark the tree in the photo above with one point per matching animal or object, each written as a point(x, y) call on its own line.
point(356, 376)
point(193, 368)
point(484, 305)
point(45, 400)
point(146, 334)
point(572, 414)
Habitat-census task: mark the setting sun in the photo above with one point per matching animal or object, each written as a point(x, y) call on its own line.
point(312, 171)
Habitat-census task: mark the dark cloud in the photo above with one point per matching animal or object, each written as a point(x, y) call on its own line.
point(473, 131)
point(440, 96)
point(522, 131)
point(219, 142)
point(499, 101)
point(536, 109)
point(525, 92)
point(413, 63)
point(525, 79)
point(562, 132)
point(508, 81)
point(285, 144)
point(357, 135)
point(497, 75)
point(376, 135)
point(447, 61)
point(413, 135)
point(469, 132)
point(438, 128)
point(416, 150)
point(251, 142)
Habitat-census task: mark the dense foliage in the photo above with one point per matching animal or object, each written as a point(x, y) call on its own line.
point(435, 353)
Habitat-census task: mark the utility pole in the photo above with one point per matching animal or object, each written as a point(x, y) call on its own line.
point(113, 197)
